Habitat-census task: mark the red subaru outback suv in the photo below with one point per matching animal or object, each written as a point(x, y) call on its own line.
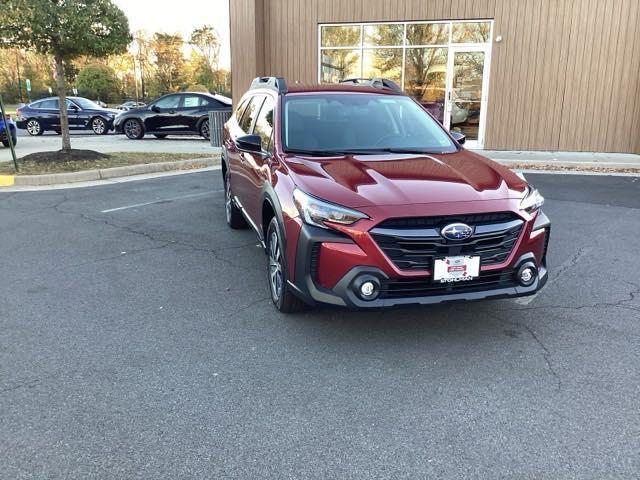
point(362, 199)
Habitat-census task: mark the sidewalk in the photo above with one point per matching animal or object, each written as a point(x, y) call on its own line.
point(535, 159)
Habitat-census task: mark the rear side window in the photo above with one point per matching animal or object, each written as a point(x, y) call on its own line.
point(240, 109)
point(250, 113)
point(192, 101)
point(264, 123)
point(47, 104)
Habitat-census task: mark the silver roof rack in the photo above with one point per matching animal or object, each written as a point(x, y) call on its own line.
point(373, 82)
point(274, 83)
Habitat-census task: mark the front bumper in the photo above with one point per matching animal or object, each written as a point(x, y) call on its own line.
point(491, 284)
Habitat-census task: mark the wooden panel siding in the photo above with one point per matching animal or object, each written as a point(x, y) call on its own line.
point(566, 75)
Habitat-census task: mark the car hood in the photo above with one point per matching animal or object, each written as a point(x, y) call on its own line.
point(392, 179)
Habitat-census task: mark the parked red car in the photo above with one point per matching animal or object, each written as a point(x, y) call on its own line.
point(362, 199)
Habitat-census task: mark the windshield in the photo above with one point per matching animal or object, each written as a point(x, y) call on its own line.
point(360, 123)
point(84, 103)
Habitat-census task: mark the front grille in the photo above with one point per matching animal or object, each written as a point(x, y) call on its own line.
point(424, 286)
point(414, 243)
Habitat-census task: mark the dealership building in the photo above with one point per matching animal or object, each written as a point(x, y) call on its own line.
point(510, 74)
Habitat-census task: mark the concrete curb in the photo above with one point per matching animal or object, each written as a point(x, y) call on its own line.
point(105, 173)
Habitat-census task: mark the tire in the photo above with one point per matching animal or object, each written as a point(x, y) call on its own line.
point(133, 129)
point(99, 126)
point(160, 135)
point(6, 142)
point(34, 127)
point(281, 294)
point(205, 132)
point(232, 213)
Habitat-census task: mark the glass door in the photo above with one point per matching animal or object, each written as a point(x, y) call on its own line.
point(467, 92)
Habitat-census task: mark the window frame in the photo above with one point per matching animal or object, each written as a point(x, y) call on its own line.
point(361, 47)
point(273, 99)
point(253, 121)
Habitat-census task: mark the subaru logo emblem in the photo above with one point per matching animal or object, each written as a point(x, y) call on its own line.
point(456, 231)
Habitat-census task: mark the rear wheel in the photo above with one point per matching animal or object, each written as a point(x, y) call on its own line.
point(233, 214)
point(281, 294)
point(6, 142)
point(99, 126)
point(34, 127)
point(204, 129)
point(133, 129)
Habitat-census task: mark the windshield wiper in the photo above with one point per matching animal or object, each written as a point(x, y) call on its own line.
point(318, 153)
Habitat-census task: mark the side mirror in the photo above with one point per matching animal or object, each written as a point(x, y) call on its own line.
point(250, 143)
point(155, 109)
point(458, 137)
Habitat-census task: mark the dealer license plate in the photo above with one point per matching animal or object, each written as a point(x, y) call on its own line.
point(456, 269)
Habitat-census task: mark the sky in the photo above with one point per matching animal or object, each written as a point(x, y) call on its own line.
point(180, 16)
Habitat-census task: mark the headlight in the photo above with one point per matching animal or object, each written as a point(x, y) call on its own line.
point(315, 211)
point(532, 200)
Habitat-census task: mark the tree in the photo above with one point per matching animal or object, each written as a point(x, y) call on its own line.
point(206, 42)
point(64, 29)
point(98, 82)
point(167, 49)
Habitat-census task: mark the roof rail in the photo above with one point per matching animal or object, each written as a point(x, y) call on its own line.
point(275, 83)
point(373, 82)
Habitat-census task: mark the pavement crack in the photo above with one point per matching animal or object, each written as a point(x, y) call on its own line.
point(546, 355)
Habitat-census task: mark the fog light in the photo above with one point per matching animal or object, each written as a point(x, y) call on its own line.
point(367, 289)
point(527, 274)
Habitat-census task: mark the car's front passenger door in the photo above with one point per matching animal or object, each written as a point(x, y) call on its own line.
point(164, 114)
point(256, 164)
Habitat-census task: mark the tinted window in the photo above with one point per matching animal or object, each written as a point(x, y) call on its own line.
point(250, 113)
point(192, 101)
point(171, 101)
point(361, 122)
point(85, 103)
point(264, 123)
point(49, 104)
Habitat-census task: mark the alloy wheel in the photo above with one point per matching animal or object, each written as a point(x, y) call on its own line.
point(33, 127)
point(98, 126)
point(275, 266)
point(227, 199)
point(132, 129)
point(204, 129)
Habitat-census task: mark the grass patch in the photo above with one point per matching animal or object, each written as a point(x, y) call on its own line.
point(119, 159)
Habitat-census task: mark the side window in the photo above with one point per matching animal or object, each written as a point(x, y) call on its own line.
point(192, 101)
point(47, 104)
point(171, 101)
point(264, 123)
point(250, 113)
point(240, 109)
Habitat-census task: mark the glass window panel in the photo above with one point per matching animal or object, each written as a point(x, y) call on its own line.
point(264, 123)
point(339, 64)
point(341, 36)
point(383, 62)
point(425, 78)
point(250, 113)
point(383, 35)
point(428, 34)
point(471, 32)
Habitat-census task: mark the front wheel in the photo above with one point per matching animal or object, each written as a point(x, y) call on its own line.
point(99, 126)
point(133, 129)
point(204, 129)
point(34, 127)
point(281, 294)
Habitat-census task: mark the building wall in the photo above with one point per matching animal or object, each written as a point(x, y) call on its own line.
point(565, 76)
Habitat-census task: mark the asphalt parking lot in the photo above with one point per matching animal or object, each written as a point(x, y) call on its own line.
point(140, 342)
point(85, 140)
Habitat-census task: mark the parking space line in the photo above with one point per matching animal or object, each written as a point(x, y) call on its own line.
point(163, 200)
